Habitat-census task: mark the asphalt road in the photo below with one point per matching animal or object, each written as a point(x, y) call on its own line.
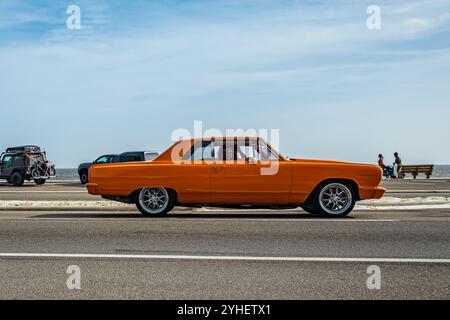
point(211, 255)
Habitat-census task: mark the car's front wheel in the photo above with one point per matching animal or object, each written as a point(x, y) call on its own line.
point(17, 179)
point(153, 202)
point(84, 177)
point(334, 199)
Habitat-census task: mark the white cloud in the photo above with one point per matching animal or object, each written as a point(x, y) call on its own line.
point(296, 69)
point(417, 24)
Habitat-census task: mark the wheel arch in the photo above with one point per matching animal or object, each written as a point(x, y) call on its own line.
point(352, 183)
point(21, 171)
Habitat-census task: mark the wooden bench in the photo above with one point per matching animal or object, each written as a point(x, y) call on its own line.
point(416, 169)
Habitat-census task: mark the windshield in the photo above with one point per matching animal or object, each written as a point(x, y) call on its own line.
point(102, 159)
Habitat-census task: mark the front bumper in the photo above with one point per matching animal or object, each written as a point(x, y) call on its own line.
point(378, 192)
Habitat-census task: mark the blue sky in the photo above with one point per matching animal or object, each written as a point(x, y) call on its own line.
point(137, 70)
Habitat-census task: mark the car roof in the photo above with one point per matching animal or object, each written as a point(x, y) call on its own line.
point(24, 149)
point(134, 152)
point(225, 138)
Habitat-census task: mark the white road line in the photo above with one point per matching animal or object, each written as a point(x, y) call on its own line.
point(281, 219)
point(27, 217)
point(222, 258)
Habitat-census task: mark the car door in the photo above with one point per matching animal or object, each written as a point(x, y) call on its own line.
point(7, 166)
point(193, 174)
point(249, 180)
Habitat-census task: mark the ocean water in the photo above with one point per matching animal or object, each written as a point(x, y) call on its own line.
point(440, 171)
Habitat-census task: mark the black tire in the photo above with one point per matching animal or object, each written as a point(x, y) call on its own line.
point(39, 182)
point(169, 202)
point(17, 179)
point(344, 186)
point(84, 177)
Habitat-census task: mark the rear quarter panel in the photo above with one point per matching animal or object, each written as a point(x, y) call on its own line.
point(121, 179)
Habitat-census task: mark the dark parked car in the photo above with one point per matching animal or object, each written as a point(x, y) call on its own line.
point(132, 156)
point(18, 164)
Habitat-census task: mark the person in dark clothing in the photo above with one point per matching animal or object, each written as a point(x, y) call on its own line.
point(381, 161)
point(398, 163)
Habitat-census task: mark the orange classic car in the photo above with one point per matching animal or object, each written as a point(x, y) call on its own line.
point(235, 172)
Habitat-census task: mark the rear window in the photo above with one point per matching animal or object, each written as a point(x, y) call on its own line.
point(150, 156)
point(38, 157)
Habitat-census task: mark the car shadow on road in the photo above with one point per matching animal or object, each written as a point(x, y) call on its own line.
point(10, 186)
point(70, 184)
point(31, 184)
point(236, 216)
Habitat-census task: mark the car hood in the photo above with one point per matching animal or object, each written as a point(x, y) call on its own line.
point(335, 162)
point(85, 165)
point(320, 161)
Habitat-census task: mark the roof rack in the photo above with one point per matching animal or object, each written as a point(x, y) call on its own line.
point(24, 149)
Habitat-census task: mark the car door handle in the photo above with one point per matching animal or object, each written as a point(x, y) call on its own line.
point(217, 167)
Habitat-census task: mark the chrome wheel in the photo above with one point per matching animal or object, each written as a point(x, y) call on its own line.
point(335, 199)
point(153, 200)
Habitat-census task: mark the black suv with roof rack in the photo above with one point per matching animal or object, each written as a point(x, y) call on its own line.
point(18, 164)
point(131, 156)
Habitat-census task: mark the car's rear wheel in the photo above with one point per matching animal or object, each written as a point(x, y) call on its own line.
point(39, 181)
point(84, 177)
point(153, 202)
point(17, 179)
point(334, 199)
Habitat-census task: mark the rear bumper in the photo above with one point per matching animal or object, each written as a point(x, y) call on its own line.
point(378, 192)
point(92, 188)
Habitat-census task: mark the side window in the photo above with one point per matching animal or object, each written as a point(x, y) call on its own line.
point(7, 161)
point(248, 152)
point(126, 159)
point(130, 158)
point(265, 153)
point(19, 161)
point(225, 150)
point(201, 150)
